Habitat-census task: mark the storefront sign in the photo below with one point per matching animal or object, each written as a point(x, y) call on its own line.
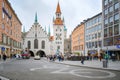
point(118, 45)
point(3, 48)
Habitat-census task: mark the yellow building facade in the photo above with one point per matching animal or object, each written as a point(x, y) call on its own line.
point(77, 39)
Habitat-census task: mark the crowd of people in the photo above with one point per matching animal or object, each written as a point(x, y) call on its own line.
point(60, 57)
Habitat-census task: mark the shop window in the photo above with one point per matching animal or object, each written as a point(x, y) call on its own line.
point(116, 40)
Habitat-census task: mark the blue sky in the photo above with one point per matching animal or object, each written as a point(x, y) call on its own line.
point(73, 11)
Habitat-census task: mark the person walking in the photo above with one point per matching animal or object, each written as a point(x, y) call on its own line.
point(0, 56)
point(82, 60)
point(4, 57)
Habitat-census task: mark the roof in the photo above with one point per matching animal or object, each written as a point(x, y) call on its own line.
point(58, 21)
point(58, 8)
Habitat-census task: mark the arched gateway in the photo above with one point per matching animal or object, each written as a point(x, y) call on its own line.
point(41, 53)
point(31, 53)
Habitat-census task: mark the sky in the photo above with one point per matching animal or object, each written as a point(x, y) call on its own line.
point(73, 11)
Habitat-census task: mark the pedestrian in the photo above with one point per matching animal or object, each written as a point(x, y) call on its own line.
point(82, 60)
point(4, 57)
point(113, 57)
point(0, 56)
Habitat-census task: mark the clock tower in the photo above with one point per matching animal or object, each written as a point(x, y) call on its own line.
point(58, 32)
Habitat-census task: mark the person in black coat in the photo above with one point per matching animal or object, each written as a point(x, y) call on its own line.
point(4, 57)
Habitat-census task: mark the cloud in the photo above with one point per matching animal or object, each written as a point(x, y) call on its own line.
point(73, 11)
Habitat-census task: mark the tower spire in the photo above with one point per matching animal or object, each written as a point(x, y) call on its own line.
point(36, 18)
point(58, 10)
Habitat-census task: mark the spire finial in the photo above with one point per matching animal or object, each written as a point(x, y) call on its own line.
point(36, 18)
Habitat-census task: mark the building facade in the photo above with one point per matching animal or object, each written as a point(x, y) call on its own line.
point(111, 27)
point(10, 30)
point(36, 40)
point(93, 35)
point(77, 39)
point(67, 46)
point(58, 32)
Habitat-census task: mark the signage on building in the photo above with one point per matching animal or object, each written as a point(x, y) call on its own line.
point(3, 48)
point(118, 45)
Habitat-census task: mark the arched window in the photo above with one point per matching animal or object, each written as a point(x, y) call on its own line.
point(29, 44)
point(43, 44)
point(35, 44)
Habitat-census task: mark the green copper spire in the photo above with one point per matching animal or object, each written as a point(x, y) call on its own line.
point(24, 29)
point(49, 33)
point(65, 29)
point(36, 18)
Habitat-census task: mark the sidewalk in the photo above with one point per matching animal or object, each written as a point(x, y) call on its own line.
point(7, 60)
point(94, 64)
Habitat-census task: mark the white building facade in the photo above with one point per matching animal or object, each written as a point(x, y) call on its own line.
point(58, 32)
point(36, 40)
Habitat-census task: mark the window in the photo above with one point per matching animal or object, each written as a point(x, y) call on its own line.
point(58, 47)
point(43, 44)
point(116, 40)
point(35, 44)
point(96, 44)
point(105, 22)
point(95, 36)
point(110, 31)
point(110, 0)
point(106, 11)
point(3, 15)
point(3, 26)
point(29, 45)
point(105, 2)
point(116, 18)
point(99, 27)
point(60, 30)
point(3, 4)
point(99, 19)
point(105, 32)
point(99, 35)
point(116, 29)
point(111, 9)
point(116, 6)
point(7, 30)
point(11, 32)
point(108, 41)
point(110, 21)
point(93, 44)
point(100, 43)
